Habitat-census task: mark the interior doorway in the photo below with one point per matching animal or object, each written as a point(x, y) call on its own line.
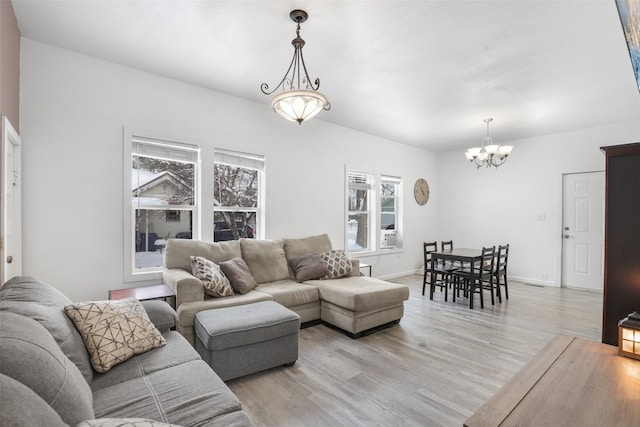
point(583, 204)
point(11, 203)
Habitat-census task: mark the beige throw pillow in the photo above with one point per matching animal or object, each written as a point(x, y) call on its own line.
point(114, 331)
point(266, 259)
point(239, 275)
point(337, 264)
point(213, 279)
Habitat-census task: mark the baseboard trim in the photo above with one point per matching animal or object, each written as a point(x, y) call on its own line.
point(396, 275)
point(533, 281)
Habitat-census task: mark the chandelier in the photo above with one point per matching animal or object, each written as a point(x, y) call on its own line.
point(488, 154)
point(300, 99)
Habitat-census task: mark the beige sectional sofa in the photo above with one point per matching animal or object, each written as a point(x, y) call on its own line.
point(355, 304)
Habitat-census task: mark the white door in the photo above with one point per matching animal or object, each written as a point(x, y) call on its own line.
point(583, 201)
point(10, 214)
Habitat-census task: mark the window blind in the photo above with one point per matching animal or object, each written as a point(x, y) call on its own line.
point(234, 158)
point(359, 181)
point(164, 150)
point(390, 179)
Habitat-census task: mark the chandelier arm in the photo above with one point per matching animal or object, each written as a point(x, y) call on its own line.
point(306, 74)
point(264, 87)
point(500, 161)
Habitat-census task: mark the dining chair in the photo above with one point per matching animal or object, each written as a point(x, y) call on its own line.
point(428, 249)
point(448, 247)
point(441, 272)
point(500, 272)
point(483, 277)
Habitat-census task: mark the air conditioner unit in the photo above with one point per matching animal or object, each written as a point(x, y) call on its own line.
point(388, 239)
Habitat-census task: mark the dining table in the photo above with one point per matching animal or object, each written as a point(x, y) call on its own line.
point(456, 256)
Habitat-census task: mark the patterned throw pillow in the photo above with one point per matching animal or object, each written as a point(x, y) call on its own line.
point(213, 279)
point(114, 331)
point(337, 264)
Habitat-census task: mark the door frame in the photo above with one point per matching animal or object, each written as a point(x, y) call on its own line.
point(10, 136)
point(560, 239)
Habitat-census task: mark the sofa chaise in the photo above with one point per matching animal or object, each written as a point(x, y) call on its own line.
point(47, 378)
point(356, 304)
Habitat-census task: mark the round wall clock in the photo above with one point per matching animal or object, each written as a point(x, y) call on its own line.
point(421, 191)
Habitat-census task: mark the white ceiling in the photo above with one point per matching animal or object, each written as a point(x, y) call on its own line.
point(423, 73)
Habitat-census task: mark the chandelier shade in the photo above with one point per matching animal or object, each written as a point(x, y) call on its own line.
point(298, 105)
point(299, 99)
point(488, 154)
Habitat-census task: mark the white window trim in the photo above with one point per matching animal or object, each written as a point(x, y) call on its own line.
point(372, 216)
point(398, 211)
point(375, 212)
point(131, 274)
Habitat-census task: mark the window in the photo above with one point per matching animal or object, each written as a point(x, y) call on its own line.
point(389, 211)
point(374, 202)
point(238, 203)
point(359, 196)
point(160, 199)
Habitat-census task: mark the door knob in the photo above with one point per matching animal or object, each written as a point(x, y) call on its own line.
point(566, 236)
point(9, 259)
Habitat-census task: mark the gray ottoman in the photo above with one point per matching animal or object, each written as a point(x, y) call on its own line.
point(241, 340)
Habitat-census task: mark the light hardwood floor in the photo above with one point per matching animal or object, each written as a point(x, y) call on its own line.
point(435, 368)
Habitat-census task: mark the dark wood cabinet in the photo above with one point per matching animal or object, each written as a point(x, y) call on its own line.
point(622, 238)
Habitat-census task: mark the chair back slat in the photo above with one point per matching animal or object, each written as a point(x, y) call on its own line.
point(488, 259)
point(429, 247)
point(501, 258)
point(447, 246)
point(500, 274)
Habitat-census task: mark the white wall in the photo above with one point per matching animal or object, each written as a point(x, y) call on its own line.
point(73, 109)
point(498, 206)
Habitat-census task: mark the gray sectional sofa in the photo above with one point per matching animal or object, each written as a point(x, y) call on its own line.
point(46, 377)
point(355, 304)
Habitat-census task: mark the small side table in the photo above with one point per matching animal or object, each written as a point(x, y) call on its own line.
point(144, 293)
point(363, 265)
